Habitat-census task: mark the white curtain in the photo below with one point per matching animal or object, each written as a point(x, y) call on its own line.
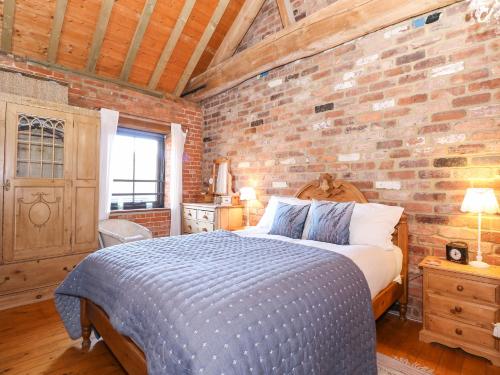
point(178, 138)
point(109, 123)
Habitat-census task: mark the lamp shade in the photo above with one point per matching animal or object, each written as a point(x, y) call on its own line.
point(247, 193)
point(480, 200)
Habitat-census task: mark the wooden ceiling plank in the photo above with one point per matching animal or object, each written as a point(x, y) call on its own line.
point(100, 31)
point(171, 43)
point(286, 12)
point(201, 46)
point(338, 23)
point(9, 9)
point(239, 28)
point(147, 12)
point(55, 33)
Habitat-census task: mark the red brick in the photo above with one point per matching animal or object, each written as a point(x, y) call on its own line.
point(485, 85)
point(418, 98)
point(448, 115)
point(471, 100)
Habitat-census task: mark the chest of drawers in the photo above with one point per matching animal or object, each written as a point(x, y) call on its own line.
point(461, 305)
point(207, 217)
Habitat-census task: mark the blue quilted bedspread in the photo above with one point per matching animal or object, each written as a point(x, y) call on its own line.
point(218, 303)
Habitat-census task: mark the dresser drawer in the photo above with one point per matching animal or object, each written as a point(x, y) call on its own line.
point(189, 226)
point(460, 331)
point(202, 226)
point(463, 287)
point(203, 215)
point(456, 307)
point(189, 213)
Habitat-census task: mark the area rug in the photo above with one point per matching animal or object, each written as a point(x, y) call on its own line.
point(399, 366)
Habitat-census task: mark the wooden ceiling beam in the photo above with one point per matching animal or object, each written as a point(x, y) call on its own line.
point(99, 33)
point(147, 12)
point(96, 77)
point(286, 12)
point(338, 23)
point(239, 28)
point(171, 43)
point(9, 9)
point(55, 33)
point(201, 46)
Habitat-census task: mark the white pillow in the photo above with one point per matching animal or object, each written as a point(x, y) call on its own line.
point(266, 221)
point(373, 224)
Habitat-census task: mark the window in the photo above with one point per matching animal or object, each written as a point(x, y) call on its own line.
point(138, 168)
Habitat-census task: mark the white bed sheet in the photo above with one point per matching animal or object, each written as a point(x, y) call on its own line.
point(380, 266)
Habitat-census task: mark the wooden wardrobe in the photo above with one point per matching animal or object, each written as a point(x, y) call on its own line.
point(49, 171)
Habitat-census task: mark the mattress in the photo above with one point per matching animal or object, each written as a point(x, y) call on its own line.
point(379, 266)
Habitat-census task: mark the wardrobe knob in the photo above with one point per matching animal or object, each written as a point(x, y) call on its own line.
point(460, 288)
point(458, 331)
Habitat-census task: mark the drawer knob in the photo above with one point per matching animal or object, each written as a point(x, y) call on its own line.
point(460, 288)
point(205, 217)
point(456, 310)
point(458, 331)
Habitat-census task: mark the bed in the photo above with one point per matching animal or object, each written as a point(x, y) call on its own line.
point(129, 353)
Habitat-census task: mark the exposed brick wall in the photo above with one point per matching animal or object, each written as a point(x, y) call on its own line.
point(410, 114)
point(94, 94)
point(157, 221)
point(304, 8)
point(267, 23)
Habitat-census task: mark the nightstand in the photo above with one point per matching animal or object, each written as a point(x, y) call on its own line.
point(461, 305)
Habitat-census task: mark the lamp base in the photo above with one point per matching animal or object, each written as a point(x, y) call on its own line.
point(478, 264)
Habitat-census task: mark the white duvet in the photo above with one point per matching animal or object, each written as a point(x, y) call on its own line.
point(380, 266)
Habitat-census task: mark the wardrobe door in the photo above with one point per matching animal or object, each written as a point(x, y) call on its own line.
point(37, 183)
point(3, 108)
point(85, 186)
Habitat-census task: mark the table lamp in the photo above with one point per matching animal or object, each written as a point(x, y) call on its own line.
point(247, 194)
point(478, 201)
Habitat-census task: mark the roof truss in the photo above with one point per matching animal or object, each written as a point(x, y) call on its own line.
point(9, 8)
point(55, 34)
point(147, 12)
point(100, 32)
point(338, 23)
point(202, 44)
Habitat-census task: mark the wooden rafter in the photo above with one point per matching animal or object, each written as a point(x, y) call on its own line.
point(9, 9)
point(338, 23)
point(200, 47)
point(100, 31)
point(55, 33)
point(147, 12)
point(171, 43)
point(240, 26)
point(286, 12)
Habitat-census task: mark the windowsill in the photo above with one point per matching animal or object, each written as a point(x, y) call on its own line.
point(137, 210)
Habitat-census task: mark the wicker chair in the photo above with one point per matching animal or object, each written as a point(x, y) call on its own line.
point(117, 231)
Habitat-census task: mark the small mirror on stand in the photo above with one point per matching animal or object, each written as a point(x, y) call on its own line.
point(221, 183)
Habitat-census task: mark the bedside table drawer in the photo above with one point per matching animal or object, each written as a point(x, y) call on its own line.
point(455, 307)
point(463, 287)
point(460, 331)
point(205, 216)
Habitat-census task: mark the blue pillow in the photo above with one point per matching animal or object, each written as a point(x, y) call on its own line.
point(330, 222)
point(289, 220)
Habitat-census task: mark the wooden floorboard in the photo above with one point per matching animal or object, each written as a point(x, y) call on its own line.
point(33, 341)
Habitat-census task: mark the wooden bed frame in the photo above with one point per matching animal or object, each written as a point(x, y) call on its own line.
point(132, 358)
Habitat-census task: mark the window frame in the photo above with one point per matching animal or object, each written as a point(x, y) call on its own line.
point(159, 203)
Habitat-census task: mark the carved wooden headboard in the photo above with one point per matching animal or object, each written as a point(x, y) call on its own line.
point(326, 188)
